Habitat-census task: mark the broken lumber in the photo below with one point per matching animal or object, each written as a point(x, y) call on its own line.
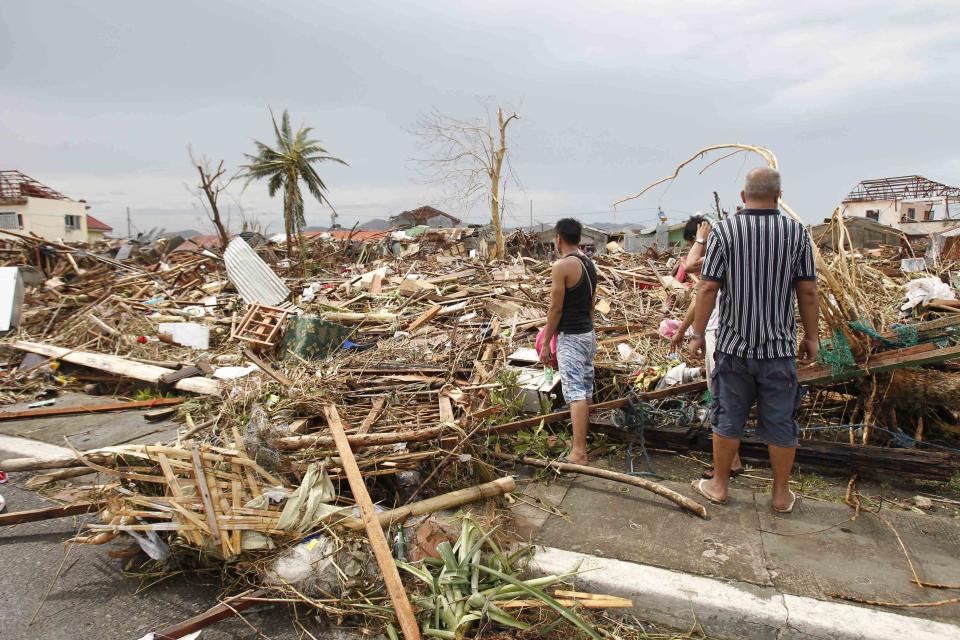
point(88, 408)
point(226, 609)
point(49, 513)
point(584, 470)
point(450, 500)
point(378, 542)
point(344, 316)
point(119, 366)
point(267, 369)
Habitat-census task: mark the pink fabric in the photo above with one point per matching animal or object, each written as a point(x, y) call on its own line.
point(681, 270)
point(668, 327)
point(553, 341)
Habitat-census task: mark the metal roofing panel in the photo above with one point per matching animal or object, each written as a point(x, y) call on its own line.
point(252, 277)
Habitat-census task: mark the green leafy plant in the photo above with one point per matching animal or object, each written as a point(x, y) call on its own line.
point(470, 581)
point(150, 393)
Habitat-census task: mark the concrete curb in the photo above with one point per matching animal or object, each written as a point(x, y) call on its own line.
point(737, 611)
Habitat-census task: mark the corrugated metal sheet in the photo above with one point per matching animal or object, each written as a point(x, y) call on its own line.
point(252, 277)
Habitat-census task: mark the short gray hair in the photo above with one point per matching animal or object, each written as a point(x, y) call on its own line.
point(763, 183)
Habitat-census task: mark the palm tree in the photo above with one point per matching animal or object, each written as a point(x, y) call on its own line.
point(284, 166)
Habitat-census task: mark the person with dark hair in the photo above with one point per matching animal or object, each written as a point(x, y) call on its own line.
point(573, 290)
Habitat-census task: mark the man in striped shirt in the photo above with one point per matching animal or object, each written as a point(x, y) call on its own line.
point(759, 262)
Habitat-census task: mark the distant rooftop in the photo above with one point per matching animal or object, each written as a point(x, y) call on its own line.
point(900, 188)
point(17, 186)
point(97, 225)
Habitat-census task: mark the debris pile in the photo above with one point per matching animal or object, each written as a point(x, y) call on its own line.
point(398, 370)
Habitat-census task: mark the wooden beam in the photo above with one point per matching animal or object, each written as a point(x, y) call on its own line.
point(372, 416)
point(49, 513)
point(424, 318)
point(89, 408)
point(226, 609)
point(267, 369)
point(378, 542)
point(119, 366)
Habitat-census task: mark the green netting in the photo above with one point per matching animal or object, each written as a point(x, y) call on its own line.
point(839, 356)
point(906, 334)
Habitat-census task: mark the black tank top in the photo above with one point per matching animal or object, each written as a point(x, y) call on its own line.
point(578, 300)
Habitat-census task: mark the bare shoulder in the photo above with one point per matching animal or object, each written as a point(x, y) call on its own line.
point(564, 270)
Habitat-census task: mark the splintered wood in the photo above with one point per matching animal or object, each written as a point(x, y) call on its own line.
point(201, 495)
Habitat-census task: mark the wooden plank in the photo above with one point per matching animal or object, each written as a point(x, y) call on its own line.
point(378, 542)
point(49, 513)
point(446, 410)
point(267, 369)
point(226, 609)
point(89, 408)
point(372, 416)
point(424, 318)
point(119, 366)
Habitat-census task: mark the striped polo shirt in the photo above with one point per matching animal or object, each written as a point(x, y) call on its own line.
point(757, 255)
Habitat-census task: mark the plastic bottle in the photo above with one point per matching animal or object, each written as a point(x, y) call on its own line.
point(548, 375)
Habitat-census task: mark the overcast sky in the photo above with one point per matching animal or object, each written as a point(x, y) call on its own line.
point(100, 99)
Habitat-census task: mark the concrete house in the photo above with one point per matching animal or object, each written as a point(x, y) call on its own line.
point(97, 229)
point(913, 204)
point(28, 206)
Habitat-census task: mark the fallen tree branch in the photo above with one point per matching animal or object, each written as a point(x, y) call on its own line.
point(450, 500)
point(660, 490)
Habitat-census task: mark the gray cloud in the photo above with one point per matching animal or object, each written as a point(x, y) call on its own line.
point(102, 101)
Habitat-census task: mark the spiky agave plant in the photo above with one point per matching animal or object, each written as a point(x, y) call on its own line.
point(469, 582)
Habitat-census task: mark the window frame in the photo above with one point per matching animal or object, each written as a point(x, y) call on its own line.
point(18, 220)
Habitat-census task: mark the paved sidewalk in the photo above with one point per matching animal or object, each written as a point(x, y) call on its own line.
point(814, 553)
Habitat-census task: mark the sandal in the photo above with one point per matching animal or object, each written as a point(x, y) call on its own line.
point(708, 473)
point(789, 508)
point(698, 487)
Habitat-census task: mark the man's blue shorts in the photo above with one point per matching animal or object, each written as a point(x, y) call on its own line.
point(772, 383)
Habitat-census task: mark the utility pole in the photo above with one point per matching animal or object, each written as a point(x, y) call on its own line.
point(531, 213)
point(129, 235)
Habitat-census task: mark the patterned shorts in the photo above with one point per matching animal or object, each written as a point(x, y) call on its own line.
point(575, 355)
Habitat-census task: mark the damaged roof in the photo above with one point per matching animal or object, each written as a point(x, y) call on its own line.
point(16, 187)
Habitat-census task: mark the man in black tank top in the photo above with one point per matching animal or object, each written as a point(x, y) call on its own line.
point(573, 292)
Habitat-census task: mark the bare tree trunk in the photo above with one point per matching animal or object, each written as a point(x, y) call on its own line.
point(211, 184)
point(496, 171)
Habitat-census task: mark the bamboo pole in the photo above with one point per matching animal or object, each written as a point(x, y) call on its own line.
point(378, 542)
point(660, 490)
point(362, 440)
point(456, 498)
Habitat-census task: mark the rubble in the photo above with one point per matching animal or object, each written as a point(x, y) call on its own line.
point(397, 371)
